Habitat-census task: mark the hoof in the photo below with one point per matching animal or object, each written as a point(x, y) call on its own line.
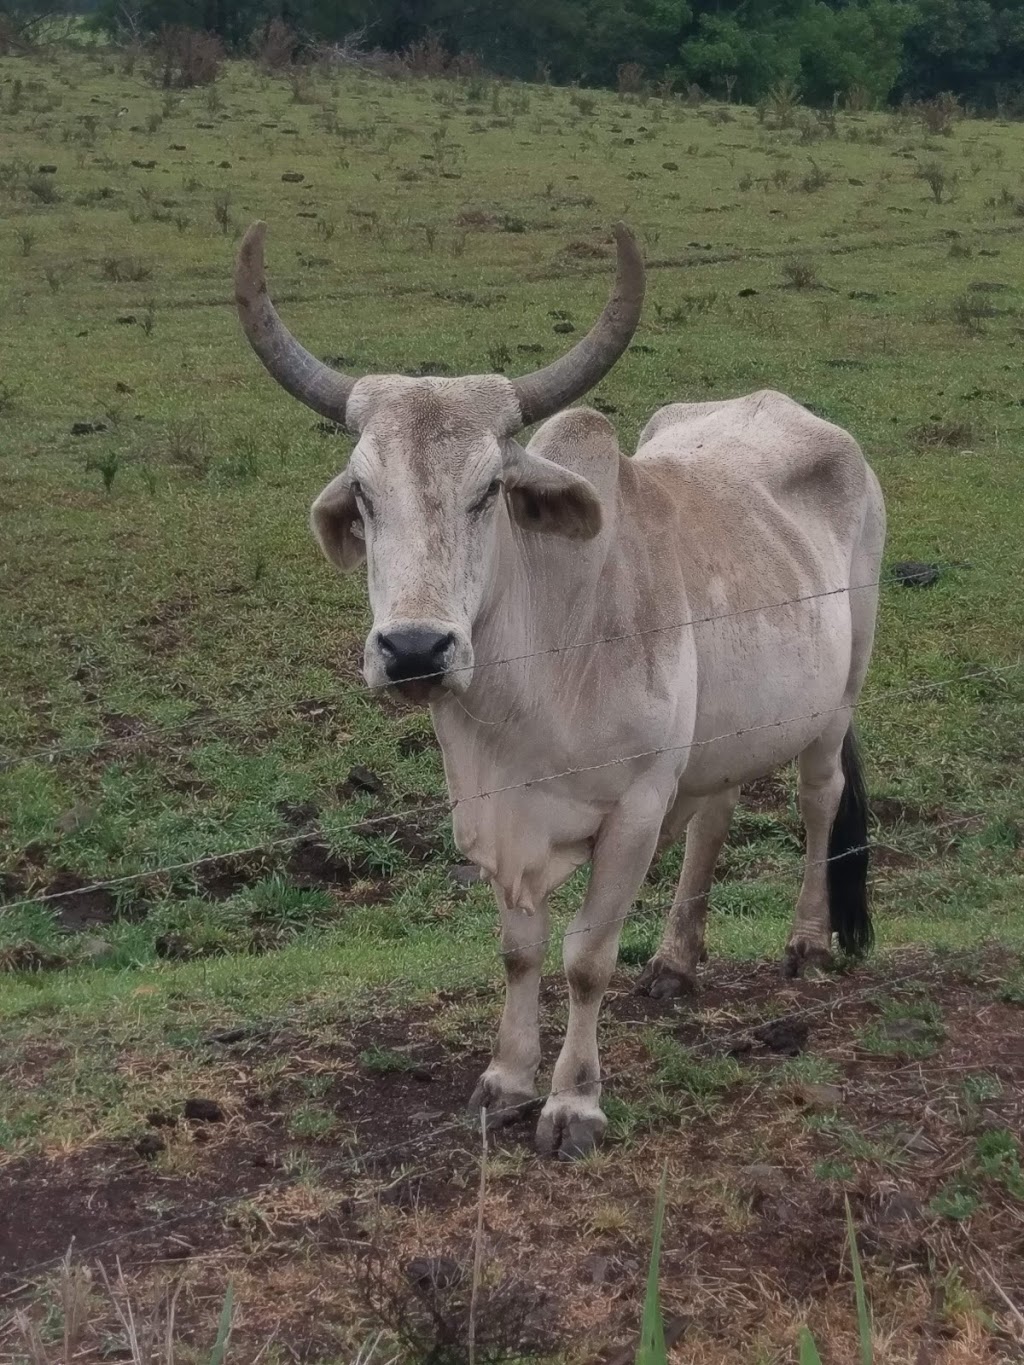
point(800, 955)
point(661, 981)
point(504, 1106)
point(569, 1134)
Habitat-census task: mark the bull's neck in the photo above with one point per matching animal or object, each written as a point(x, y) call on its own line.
point(544, 595)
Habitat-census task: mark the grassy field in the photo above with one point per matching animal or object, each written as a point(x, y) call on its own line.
point(180, 681)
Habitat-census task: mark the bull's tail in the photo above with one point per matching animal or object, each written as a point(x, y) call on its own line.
point(848, 858)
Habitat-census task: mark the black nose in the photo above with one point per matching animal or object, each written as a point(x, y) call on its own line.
point(415, 652)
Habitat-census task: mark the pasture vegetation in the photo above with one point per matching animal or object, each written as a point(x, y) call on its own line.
point(181, 681)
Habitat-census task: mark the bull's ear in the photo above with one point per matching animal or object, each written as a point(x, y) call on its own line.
point(548, 498)
point(337, 525)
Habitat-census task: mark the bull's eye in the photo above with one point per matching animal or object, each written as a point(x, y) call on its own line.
point(359, 493)
point(487, 496)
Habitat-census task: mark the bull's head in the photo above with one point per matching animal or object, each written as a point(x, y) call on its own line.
point(435, 471)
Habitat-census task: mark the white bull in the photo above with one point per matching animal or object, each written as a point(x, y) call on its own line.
point(643, 634)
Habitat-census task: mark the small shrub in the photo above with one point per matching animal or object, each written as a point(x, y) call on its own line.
point(302, 90)
point(187, 444)
point(499, 357)
point(782, 102)
point(275, 47)
point(940, 115)
point(811, 130)
point(222, 211)
point(815, 179)
point(585, 104)
point(426, 57)
point(940, 181)
point(949, 433)
point(630, 77)
point(799, 273)
point(185, 57)
point(13, 171)
point(118, 269)
point(42, 189)
point(106, 466)
point(26, 240)
point(968, 311)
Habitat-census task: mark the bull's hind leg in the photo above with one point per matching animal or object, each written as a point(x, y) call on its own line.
point(833, 800)
point(833, 897)
point(672, 971)
point(506, 1089)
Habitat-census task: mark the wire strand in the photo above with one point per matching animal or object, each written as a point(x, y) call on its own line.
point(52, 752)
point(451, 805)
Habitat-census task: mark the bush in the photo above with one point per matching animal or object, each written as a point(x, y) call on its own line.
point(184, 57)
point(275, 46)
point(940, 114)
point(630, 78)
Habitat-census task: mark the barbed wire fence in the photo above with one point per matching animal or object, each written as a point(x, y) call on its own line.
point(450, 806)
point(364, 1162)
point(191, 724)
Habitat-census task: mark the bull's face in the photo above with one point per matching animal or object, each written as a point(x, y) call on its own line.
point(426, 499)
point(436, 482)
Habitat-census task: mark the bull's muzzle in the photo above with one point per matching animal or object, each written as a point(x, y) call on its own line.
point(418, 659)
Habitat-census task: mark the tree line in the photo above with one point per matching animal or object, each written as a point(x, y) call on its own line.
point(868, 51)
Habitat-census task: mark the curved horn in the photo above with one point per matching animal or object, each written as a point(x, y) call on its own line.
point(312, 382)
point(563, 381)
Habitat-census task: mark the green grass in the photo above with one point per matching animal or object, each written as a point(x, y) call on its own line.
point(906, 1027)
point(384, 1061)
point(172, 631)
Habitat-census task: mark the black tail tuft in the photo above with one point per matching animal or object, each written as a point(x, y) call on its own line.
point(848, 858)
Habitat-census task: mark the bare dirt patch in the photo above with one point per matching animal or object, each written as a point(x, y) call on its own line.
point(769, 1103)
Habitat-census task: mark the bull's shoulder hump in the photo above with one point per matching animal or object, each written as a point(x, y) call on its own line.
point(577, 438)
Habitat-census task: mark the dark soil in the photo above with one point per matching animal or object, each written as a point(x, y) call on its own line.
point(401, 1142)
point(79, 908)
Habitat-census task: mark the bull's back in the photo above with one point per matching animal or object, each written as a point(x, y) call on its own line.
point(767, 508)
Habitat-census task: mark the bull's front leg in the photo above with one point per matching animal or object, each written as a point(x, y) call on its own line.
point(506, 1089)
point(571, 1123)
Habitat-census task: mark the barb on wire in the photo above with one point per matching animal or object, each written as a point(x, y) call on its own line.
point(452, 805)
point(50, 753)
